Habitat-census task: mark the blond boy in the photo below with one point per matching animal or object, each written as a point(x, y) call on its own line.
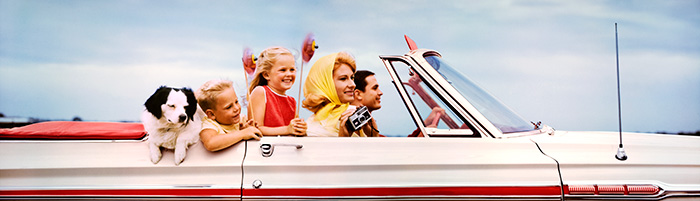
point(223, 125)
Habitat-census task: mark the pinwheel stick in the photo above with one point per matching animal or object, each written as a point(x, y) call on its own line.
point(248, 67)
point(301, 76)
point(247, 97)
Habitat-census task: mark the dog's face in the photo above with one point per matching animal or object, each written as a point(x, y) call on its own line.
point(176, 105)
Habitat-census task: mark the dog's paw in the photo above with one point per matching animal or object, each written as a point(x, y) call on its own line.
point(180, 155)
point(155, 158)
point(155, 154)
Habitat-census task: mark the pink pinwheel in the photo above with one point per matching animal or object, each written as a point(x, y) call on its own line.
point(249, 62)
point(308, 48)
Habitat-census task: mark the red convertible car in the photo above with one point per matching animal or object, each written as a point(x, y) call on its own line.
point(478, 150)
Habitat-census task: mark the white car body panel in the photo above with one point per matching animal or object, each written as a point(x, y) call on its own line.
point(347, 163)
point(50, 165)
point(586, 158)
point(397, 161)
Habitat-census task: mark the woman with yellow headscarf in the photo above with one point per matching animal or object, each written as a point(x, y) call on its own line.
point(328, 91)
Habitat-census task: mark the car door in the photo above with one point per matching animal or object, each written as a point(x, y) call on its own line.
point(455, 160)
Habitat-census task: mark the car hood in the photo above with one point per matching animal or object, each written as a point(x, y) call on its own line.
point(589, 157)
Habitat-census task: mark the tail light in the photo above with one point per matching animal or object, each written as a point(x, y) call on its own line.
point(612, 189)
point(643, 189)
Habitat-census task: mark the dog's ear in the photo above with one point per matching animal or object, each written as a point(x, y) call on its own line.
point(156, 100)
point(191, 108)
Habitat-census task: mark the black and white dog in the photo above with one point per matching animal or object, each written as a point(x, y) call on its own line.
point(173, 120)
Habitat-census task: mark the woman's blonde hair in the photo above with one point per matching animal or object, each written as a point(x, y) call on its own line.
point(315, 102)
point(266, 60)
point(206, 94)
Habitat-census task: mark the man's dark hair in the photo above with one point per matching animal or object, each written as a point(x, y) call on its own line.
point(360, 81)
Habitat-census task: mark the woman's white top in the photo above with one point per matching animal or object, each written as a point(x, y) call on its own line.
point(315, 129)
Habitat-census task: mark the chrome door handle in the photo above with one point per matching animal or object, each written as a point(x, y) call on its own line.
point(267, 149)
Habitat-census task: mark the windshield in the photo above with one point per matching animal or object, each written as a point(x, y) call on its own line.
point(501, 116)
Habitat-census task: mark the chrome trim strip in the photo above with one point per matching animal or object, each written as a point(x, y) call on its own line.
point(522, 134)
point(202, 186)
point(121, 198)
point(113, 193)
point(436, 197)
point(460, 185)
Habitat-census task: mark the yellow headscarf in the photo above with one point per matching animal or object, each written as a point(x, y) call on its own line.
point(320, 83)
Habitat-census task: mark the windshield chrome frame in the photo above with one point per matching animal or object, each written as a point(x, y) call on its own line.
point(431, 83)
point(445, 89)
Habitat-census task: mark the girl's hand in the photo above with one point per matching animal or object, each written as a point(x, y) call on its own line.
point(297, 127)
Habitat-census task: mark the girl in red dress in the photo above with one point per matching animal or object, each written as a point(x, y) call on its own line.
point(270, 106)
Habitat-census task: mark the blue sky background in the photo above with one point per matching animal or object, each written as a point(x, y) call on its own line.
point(550, 61)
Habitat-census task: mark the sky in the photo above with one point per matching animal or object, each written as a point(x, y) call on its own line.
point(549, 61)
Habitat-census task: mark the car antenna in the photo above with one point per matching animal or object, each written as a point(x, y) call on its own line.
point(621, 155)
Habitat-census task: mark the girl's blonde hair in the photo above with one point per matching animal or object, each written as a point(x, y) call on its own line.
point(266, 60)
point(315, 102)
point(206, 94)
